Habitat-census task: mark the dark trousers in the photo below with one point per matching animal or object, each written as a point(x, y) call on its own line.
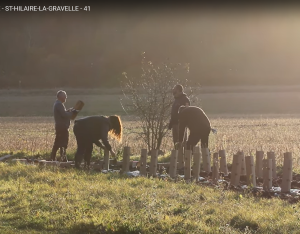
point(84, 147)
point(61, 140)
point(196, 136)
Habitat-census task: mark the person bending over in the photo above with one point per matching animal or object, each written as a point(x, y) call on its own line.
point(197, 122)
point(90, 130)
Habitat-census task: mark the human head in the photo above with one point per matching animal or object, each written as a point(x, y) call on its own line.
point(116, 127)
point(62, 96)
point(177, 90)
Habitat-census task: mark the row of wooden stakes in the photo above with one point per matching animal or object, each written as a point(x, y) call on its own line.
point(264, 168)
point(190, 161)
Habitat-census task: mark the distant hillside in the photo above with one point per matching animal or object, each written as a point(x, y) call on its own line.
point(92, 50)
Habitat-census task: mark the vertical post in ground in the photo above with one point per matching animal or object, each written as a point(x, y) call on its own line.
point(216, 175)
point(236, 170)
point(206, 160)
point(126, 159)
point(143, 162)
point(250, 171)
point(173, 163)
point(259, 164)
point(267, 171)
point(197, 162)
point(271, 155)
point(223, 162)
point(287, 172)
point(153, 163)
point(243, 163)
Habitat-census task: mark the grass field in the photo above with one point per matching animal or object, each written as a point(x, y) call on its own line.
point(50, 200)
point(40, 200)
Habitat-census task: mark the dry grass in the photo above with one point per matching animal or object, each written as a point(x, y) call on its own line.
point(35, 135)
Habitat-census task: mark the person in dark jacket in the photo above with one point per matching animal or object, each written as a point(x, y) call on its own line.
point(90, 130)
point(62, 119)
point(180, 99)
point(197, 122)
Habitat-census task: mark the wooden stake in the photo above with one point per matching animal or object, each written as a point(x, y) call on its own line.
point(106, 160)
point(243, 163)
point(250, 171)
point(271, 155)
point(126, 159)
point(215, 175)
point(236, 170)
point(173, 164)
point(187, 164)
point(287, 173)
point(259, 164)
point(143, 162)
point(223, 162)
point(206, 160)
point(153, 163)
point(267, 171)
point(197, 162)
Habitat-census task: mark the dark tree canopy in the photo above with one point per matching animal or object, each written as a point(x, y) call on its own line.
point(45, 50)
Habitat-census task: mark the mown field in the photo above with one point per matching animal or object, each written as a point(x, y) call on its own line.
point(50, 200)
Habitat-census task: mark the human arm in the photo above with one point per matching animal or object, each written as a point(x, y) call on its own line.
point(98, 143)
point(104, 137)
point(71, 109)
point(173, 116)
point(186, 101)
point(62, 111)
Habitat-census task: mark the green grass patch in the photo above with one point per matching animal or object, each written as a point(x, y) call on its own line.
point(54, 200)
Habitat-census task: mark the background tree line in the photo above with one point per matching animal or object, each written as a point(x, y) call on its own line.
point(45, 50)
